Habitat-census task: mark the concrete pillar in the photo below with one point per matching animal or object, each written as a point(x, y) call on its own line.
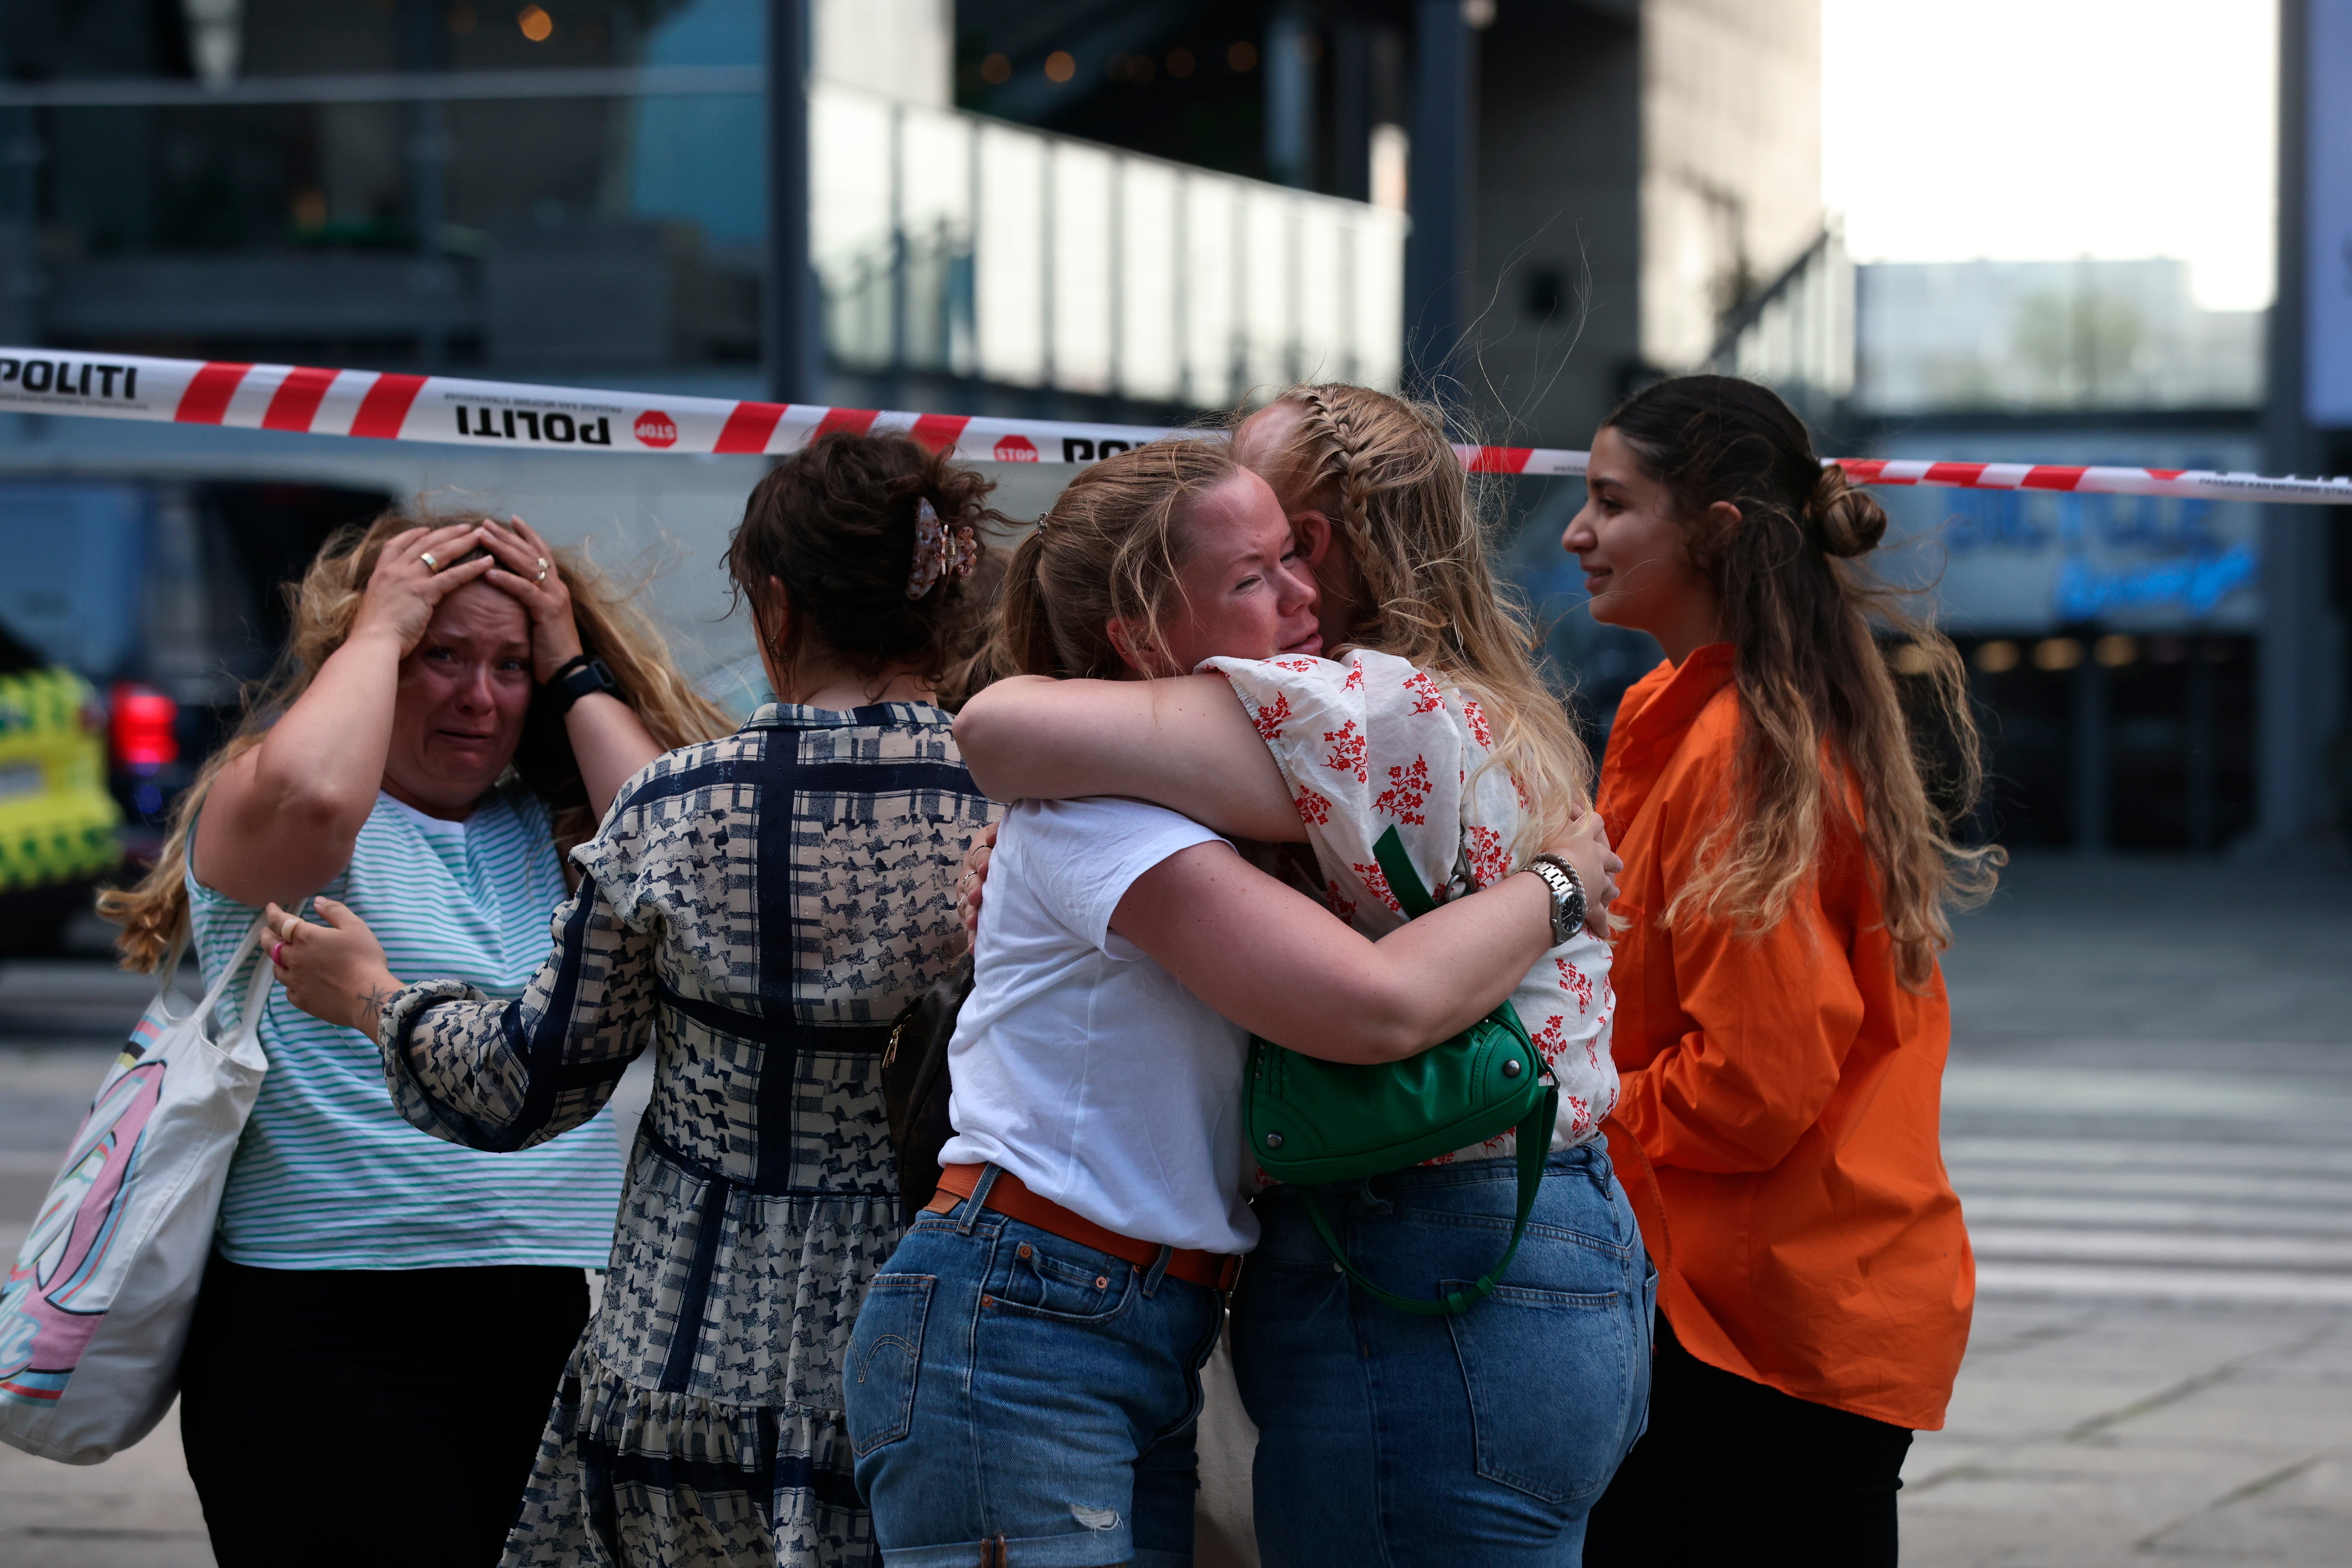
point(1351, 110)
point(20, 269)
point(793, 352)
point(429, 150)
point(20, 168)
point(1437, 256)
point(1290, 99)
point(2293, 682)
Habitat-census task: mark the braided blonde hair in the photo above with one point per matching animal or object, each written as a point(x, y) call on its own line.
point(1382, 470)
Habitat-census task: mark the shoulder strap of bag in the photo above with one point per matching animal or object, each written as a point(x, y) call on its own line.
point(1534, 1136)
point(249, 956)
point(168, 972)
point(1404, 880)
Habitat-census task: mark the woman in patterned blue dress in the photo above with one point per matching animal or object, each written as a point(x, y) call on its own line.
point(756, 909)
point(412, 759)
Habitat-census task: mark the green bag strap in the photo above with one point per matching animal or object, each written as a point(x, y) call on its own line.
point(1534, 1133)
point(1535, 1145)
point(1404, 880)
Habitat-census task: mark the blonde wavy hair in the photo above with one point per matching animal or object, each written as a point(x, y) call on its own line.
point(1384, 472)
point(323, 607)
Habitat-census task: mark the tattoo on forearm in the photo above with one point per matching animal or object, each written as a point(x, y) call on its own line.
point(374, 1001)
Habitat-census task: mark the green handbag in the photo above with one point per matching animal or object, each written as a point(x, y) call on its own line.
point(1311, 1121)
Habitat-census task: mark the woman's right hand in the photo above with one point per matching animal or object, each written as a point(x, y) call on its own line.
point(336, 971)
point(1586, 847)
point(402, 592)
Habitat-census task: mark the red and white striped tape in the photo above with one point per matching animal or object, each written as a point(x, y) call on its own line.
point(2194, 484)
point(454, 411)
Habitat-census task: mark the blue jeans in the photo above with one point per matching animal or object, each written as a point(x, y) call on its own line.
point(1015, 1393)
point(1388, 1440)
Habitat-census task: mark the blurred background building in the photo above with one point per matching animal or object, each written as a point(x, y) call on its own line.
point(1125, 209)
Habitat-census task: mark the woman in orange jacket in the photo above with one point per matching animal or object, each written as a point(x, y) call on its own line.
point(1781, 1023)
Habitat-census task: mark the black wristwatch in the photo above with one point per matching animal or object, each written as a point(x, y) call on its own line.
point(1568, 904)
point(580, 675)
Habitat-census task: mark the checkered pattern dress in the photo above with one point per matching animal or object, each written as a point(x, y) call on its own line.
point(756, 909)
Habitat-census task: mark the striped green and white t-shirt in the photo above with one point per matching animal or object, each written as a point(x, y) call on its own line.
point(328, 1174)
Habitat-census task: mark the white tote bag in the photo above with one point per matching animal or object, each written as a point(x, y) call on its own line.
point(97, 1309)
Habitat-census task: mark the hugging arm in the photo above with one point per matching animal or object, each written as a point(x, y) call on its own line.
point(1280, 965)
point(1186, 744)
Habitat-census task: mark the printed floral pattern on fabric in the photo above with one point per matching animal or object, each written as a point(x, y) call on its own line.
point(1269, 720)
point(1490, 857)
point(756, 909)
point(1374, 744)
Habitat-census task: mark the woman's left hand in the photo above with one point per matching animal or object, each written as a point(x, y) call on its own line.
point(1587, 849)
point(527, 570)
point(337, 972)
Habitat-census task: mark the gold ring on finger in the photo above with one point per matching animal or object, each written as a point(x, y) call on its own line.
point(430, 564)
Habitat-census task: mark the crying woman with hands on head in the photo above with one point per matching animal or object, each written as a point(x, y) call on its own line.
point(457, 703)
point(471, 672)
point(750, 912)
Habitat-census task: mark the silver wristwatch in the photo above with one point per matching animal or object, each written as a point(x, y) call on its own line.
point(1567, 895)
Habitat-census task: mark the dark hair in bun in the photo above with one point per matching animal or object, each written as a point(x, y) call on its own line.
point(1805, 620)
point(1846, 522)
point(836, 524)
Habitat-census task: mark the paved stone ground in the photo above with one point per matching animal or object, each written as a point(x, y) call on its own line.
point(2147, 1116)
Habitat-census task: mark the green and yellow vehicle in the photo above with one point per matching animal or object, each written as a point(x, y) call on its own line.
point(131, 612)
point(61, 829)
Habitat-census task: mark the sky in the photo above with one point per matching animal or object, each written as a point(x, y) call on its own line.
point(2045, 130)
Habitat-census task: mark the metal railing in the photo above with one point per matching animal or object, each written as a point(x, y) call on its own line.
point(948, 243)
point(1796, 334)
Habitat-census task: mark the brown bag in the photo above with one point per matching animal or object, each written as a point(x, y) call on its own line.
point(914, 1084)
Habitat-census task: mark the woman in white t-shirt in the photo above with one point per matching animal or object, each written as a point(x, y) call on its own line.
point(1022, 1380)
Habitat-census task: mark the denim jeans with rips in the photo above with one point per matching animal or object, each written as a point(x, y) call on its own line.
point(1388, 1440)
point(1017, 1398)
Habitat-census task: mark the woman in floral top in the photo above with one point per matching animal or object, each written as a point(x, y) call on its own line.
point(1384, 1436)
point(756, 909)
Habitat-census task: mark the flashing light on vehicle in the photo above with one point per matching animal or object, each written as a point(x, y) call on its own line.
point(146, 726)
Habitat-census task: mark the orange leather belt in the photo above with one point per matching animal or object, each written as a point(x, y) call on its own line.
point(1007, 1197)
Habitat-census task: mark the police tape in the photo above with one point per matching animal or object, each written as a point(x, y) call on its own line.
point(455, 411)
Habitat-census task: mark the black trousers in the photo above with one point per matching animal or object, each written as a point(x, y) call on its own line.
point(371, 1416)
point(1732, 1471)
